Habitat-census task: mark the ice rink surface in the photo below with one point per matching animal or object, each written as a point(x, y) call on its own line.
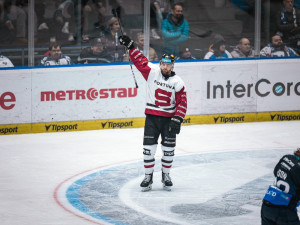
point(220, 174)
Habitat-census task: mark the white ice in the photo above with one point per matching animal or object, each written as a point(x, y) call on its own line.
point(32, 166)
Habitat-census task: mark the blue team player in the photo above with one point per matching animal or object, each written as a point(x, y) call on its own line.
point(282, 198)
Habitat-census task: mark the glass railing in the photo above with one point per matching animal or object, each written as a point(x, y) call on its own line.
point(63, 32)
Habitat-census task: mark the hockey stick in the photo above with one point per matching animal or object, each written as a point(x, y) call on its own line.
point(206, 34)
point(115, 13)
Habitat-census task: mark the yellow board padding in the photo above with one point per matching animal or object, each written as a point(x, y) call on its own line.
point(139, 122)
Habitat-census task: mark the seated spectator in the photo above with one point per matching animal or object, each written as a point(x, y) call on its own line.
point(175, 30)
point(185, 53)
point(288, 23)
point(243, 49)
point(5, 62)
point(217, 50)
point(93, 14)
point(111, 34)
point(55, 56)
point(139, 40)
point(277, 49)
point(95, 53)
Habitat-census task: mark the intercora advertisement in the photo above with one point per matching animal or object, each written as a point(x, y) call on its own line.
point(105, 96)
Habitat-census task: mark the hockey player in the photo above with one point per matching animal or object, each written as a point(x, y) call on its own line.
point(282, 198)
point(165, 110)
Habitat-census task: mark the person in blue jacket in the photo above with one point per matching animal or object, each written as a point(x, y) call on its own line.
point(175, 30)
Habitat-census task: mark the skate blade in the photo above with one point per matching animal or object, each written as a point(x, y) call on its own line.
point(149, 188)
point(167, 188)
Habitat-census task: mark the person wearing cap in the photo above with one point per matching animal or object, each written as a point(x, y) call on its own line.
point(5, 62)
point(96, 53)
point(282, 198)
point(166, 106)
point(185, 53)
point(217, 49)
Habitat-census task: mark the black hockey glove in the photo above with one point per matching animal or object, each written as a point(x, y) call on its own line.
point(126, 41)
point(174, 126)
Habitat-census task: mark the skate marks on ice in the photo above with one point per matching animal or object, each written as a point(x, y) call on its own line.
point(209, 189)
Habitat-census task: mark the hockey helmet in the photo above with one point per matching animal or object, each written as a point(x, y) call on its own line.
point(167, 58)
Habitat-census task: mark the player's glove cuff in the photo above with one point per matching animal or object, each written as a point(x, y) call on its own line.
point(126, 41)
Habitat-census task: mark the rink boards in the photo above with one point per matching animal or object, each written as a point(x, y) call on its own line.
point(139, 122)
point(75, 98)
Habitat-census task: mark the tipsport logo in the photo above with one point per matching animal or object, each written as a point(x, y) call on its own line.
point(283, 117)
point(226, 119)
point(117, 125)
point(261, 88)
point(12, 130)
point(187, 121)
point(59, 128)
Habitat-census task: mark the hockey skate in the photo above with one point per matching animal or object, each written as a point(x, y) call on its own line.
point(146, 184)
point(166, 180)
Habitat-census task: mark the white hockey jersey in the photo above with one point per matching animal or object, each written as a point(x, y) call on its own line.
point(165, 97)
point(5, 62)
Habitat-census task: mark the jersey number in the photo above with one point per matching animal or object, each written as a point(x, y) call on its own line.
point(282, 183)
point(163, 97)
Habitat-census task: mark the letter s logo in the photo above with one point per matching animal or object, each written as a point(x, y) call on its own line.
point(163, 97)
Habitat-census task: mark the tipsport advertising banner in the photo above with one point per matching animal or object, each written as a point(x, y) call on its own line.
point(86, 93)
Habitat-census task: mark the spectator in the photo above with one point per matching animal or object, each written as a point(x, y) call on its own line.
point(57, 18)
point(111, 34)
point(288, 23)
point(5, 29)
point(95, 53)
point(16, 20)
point(175, 30)
point(185, 53)
point(5, 62)
point(139, 40)
point(243, 49)
point(93, 18)
point(55, 57)
point(277, 49)
point(217, 50)
point(156, 19)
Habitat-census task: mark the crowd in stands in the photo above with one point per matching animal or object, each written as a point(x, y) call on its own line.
point(101, 29)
